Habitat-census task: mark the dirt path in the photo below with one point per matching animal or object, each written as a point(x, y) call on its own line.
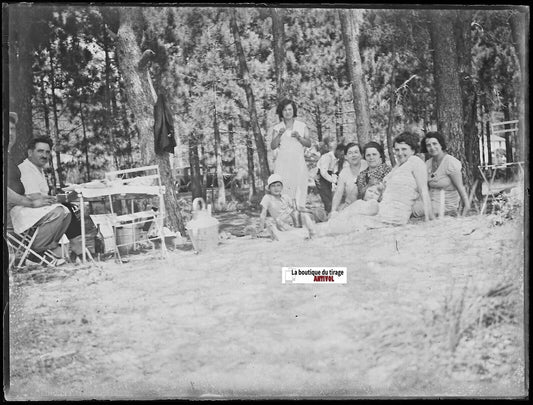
point(222, 323)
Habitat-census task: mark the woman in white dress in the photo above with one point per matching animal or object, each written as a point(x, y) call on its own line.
point(290, 137)
point(346, 184)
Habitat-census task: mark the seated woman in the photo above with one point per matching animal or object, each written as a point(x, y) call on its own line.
point(445, 180)
point(346, 188)
point(377, 168)
point(404, 185)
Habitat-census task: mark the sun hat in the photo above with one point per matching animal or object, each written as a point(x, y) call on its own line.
point(274, 178)
point(13, 117)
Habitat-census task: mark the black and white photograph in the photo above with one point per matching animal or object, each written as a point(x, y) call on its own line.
point(265, 201)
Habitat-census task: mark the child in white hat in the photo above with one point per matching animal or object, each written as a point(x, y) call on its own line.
point(281, 209)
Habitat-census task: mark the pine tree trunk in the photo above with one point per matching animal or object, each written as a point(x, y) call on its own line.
point(140, 99)
point(278, 35)
point(487, 130)
point(59, 168)
point(318, 123)
point(446, 75)
point(520, 31)
point(250, 160)
point(194, 162)
point(107, 128)
point(392, 108)
point(507, 135)
point(46, 111)
point(350, 26)
point(221, 200)
point(85, 147)
point(463, 40)
point(245, 79)
point(338, 121)
point(21, 75)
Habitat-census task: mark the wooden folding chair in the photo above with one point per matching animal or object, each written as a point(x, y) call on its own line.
point(20, 248)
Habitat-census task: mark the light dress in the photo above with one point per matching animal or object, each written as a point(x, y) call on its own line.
point(401, 192)
point(290, 163)
point(440, 180)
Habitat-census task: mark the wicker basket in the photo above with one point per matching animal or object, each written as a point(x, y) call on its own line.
point(203, 228)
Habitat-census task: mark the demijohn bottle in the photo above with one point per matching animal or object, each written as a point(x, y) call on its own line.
point(99, 246)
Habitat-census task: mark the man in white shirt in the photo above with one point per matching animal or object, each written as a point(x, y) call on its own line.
point(327, 173)
point(32, 204)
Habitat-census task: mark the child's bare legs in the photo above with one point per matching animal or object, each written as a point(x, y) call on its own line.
point(308, 223)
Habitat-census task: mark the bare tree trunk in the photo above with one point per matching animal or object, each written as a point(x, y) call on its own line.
point(339, 121)
point(463, 40)
point(507, 135)
point(350, 25)
point(221, 200)
point(46, 111)
point(126, 123)
point(481, 134)
point(85, 146)
point(318, 123)
point(194, 161)
point(245, 78)
point(446, 72)
point(250, 159)
point(58, 148)
point(139, 91)
point(392, 107)
point(21, 75)
point(278, 34)
point(487, 130)
point(520, 32)
point(107, 128)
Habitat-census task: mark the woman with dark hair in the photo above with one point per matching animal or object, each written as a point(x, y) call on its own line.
point(290, 137)
point(377, 168)
point(444, 176)
point(404, 186)
point(346, 187)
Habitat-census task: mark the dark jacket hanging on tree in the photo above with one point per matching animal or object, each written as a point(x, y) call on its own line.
point(163, 127)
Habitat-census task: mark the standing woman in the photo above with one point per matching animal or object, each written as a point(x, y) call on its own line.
point(346, 186)
point(377, 168)
point(445, 180)
point(291, 136)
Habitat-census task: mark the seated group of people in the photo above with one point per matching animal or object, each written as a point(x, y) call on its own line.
point(29, 203)
point(369, 193)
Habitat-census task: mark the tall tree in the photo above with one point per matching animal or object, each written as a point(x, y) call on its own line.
point(350, 25)
point(446, 75)
point(463, 40)
point(141, 98)
point(245, 77)
point(21, 21)
point(278, 34)
point(520, 32)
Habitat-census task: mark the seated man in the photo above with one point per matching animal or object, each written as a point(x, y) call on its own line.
point(33, 210)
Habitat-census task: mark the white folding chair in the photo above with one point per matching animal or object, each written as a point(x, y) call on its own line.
point(21, 248)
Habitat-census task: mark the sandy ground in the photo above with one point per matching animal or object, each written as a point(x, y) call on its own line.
point(221, 323)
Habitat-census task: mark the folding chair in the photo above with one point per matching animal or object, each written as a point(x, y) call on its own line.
point(20, 248)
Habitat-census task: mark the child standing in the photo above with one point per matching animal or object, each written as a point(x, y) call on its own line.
point(327, 173)
point(283, 212)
